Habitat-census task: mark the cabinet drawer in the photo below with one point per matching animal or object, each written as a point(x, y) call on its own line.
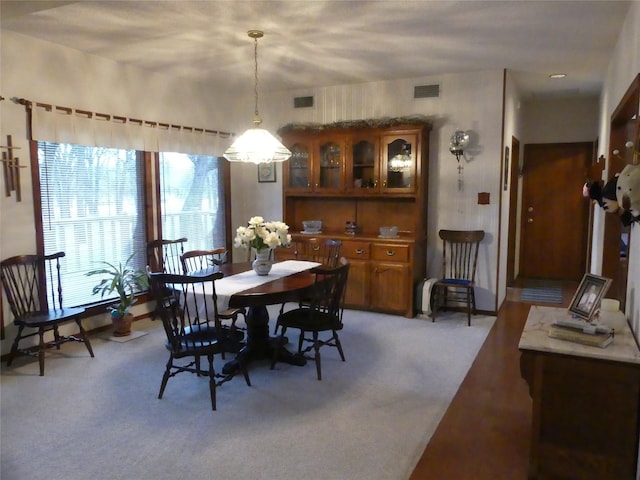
point(390, 252)
point(354, 249)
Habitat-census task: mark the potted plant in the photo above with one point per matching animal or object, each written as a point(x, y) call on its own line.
point(126, 281)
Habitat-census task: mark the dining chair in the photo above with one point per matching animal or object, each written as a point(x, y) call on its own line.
point(33, 287)
point(323, 314)
point(163, 255)
point(325, 251)
point(313, 249)
point(455, 289)
point(192, 327)
point(209, 261)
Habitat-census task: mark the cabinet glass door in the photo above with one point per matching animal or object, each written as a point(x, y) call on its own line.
point(400, 163)
point(298, 167)
point(330, 167)
point(364, 166)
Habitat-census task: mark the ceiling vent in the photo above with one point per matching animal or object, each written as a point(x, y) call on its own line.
point(426, 91)
point(303, 102)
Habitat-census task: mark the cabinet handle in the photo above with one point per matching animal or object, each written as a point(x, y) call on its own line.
point(316, 248)
point(390, 253)
point(359, 251)
point(384, 184)
point(316, 185)
point(308, 184)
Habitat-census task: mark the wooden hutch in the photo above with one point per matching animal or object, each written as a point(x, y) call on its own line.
point(372, 173)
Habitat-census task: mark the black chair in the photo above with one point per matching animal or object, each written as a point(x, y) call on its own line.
point(323, 314)
point(33, 287)
point(208, 261)
point(192, 327)
point(456, 288)
point(313, 249)
point(164, 255)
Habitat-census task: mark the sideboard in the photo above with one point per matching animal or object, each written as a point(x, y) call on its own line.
point(586, 400)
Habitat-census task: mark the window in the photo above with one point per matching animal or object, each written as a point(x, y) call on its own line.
point(192, 200)
point(92, 202)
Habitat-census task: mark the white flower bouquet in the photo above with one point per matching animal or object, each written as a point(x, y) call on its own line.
point(262, 235)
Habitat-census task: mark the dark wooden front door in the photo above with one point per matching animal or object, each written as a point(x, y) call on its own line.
point(554, 213)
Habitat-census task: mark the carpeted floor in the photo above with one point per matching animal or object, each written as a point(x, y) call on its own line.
point(370, 418)
point(541, 291)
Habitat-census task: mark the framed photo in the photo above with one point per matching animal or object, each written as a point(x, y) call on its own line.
point(266, 172)
point(588, 295)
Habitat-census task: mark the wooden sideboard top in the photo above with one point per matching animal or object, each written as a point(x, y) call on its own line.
point(535, 337)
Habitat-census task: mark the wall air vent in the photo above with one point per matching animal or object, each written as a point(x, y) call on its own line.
point(426, 91)
point(303, 102)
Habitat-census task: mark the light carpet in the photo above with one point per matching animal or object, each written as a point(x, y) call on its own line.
point(370, 418)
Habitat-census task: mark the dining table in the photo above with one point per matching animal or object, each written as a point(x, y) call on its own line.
point(241, 287)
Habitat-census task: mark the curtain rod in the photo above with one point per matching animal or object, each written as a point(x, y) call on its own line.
point(28, 104)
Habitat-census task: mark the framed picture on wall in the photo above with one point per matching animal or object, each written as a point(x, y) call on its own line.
point(588, 295)
point(267, 173)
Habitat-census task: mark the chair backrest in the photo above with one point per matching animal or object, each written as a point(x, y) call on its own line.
point(203, 260)
point(328, 291)
point(314, 249)
point(190, 315)
point(460, 253)
point(32, 283)
point(164, 255)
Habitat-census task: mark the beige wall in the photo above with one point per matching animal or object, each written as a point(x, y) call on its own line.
point(624, 67)
point(47, 73)
point(470, 101)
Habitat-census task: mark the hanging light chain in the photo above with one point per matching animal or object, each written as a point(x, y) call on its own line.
point(255, 34)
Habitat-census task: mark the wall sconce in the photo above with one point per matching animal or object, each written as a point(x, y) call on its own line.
point(458, 142)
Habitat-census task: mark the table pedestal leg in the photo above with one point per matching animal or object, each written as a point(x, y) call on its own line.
point(260, 345)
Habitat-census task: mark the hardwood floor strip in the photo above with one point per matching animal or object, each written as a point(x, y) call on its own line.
point(485, 433)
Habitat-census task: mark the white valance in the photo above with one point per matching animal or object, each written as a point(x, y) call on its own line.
point(52, 123)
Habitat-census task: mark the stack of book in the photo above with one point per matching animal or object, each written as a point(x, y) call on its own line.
point(579, 331)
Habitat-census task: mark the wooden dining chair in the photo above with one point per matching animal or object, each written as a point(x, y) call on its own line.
point(313, 249)
point(32, 284)
point(193, 328)
point(164, 255)
point(323, 314)
point(209, 261)
point(456, 287)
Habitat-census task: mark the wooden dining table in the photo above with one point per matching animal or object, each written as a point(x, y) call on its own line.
point(259, 344)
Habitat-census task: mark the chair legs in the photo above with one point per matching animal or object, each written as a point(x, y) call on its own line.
point(14, 345)
point(441, 299)
point(316, 343)
point(42, 345)
point(195, 367)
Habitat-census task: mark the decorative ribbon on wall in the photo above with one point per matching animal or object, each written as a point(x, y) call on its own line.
point(59, 124)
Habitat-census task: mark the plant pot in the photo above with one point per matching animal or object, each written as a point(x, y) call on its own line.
point(122, 325)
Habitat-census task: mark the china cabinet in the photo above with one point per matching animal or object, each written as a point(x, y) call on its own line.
point(357, 178)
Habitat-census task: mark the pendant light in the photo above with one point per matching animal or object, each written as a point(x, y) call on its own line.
point(256, 145)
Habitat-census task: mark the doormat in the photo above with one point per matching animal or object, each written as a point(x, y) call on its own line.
point(134, 334)
point(541, 291)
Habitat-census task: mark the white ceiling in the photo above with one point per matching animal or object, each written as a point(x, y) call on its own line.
point(314, 43)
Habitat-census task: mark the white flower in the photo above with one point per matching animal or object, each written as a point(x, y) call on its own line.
point(262, 235)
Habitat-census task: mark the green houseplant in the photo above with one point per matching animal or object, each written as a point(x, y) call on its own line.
point(126, 281)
